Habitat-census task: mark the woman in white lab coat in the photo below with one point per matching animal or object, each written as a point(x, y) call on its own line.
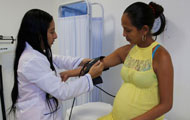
point(38, 86)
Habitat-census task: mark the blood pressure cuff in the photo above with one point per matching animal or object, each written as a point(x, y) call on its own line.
point(88, 65)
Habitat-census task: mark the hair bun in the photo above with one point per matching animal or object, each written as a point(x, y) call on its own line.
point(157, 9)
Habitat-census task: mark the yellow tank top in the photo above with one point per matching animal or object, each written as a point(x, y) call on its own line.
point(139, 92)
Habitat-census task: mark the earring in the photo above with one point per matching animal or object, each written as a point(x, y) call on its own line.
point(144, 38)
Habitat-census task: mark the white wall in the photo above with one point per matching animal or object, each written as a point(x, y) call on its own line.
point(12, 13)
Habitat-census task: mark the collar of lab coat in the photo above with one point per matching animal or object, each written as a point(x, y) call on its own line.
point(29, 48)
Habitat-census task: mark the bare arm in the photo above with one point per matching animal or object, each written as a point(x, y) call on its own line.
point(70, 73)
point(116, 57)
point(163, 68)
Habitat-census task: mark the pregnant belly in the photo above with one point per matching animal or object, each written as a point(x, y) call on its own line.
point(131, 102)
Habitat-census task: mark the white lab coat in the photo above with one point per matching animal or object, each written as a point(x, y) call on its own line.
point(35, 79)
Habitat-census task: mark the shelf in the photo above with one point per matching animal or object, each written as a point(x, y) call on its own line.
point(5, 48)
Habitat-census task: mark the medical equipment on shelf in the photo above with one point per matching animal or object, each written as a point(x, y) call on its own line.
point(6, 43)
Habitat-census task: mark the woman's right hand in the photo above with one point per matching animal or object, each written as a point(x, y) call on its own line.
point(96, 69)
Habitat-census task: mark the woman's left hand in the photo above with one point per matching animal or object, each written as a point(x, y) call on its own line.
point(70, 73)
point(64, 75)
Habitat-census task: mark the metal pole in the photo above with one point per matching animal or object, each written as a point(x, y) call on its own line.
point(2, 95)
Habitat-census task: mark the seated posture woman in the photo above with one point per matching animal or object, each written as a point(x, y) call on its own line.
point(147, 91)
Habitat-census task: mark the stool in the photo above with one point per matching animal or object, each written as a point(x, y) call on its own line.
point(89, 111)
